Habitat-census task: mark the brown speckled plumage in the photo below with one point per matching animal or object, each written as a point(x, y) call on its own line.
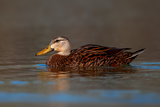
point(93, 55)
point(87, 55)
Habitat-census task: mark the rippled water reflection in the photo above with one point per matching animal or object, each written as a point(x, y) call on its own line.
point(133, 84)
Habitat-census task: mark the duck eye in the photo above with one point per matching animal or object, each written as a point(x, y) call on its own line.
point(57, 40)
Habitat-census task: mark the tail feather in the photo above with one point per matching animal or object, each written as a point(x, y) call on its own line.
point(136, 53)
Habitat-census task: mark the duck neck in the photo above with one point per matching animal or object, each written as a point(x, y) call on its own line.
point(65, 53)
point(65, 50)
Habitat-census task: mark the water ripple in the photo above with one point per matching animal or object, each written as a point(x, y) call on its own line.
point(147, 65)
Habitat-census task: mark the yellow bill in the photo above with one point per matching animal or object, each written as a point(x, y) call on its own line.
point(44, 51)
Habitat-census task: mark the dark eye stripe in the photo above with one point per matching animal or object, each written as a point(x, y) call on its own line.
point(57, 40)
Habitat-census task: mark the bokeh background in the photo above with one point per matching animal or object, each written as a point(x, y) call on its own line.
point(31, 24)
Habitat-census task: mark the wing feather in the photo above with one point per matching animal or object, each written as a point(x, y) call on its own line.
point(91, 55)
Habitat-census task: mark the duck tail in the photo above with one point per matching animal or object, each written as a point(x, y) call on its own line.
point(136, 53)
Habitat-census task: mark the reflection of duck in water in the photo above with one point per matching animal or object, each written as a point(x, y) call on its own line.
point(71, 72)
point(89, 71)
point(87, 55)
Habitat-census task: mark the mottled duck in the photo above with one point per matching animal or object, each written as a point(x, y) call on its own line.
point(87, 55)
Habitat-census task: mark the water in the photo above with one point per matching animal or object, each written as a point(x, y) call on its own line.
point(28, 26)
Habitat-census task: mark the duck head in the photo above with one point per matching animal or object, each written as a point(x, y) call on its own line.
point(60, 44)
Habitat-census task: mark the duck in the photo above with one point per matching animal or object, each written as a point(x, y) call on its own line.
point(88, 55)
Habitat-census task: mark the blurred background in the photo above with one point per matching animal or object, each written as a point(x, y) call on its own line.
point(31, 24)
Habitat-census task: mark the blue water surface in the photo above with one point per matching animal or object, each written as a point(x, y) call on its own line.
point(110, 96)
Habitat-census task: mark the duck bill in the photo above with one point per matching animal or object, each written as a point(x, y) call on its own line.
point(44, 51)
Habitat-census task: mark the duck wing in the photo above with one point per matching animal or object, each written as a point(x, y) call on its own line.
point(91, 48)
point(92, 55)
point(96, 55)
